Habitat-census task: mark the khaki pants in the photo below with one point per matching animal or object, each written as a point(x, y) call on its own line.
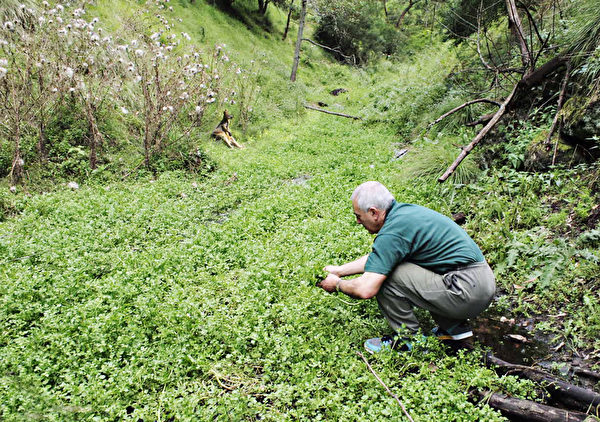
point(450, 298)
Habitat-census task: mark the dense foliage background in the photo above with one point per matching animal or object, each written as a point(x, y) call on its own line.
point(174, 279)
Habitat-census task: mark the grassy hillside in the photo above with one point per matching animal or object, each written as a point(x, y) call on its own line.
point(192, 297)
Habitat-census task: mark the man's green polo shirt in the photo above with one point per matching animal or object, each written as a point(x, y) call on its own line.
point(412, 233)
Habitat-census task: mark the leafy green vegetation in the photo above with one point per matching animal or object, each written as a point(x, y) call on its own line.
point(191, 294)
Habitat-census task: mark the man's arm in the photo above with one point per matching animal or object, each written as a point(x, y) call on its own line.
point(350, 268)
point(364, 287)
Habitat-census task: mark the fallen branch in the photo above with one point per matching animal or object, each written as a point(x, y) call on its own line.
point(385, 386)
point(587, 373)
point(332, 112)
point(460, 107)
point(528, 410)
point(335, 50)
point(466, 150)
point(562, 391)
point(561, 100)
point(482, 120)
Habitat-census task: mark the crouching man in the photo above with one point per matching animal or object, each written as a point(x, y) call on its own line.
point(419, 258)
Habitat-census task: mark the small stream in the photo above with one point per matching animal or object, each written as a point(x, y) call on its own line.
point(504, 338)
point(492, 332)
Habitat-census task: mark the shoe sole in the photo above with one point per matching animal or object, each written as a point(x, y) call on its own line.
point(460, 336)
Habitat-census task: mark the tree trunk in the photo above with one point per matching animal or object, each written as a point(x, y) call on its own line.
point(96, 136)
point(411, 3)
point(262, 6)
point(41, 145)
point(385, 8)
point(287, 24)
point(298, 41)
point(514, 22)
point(16, 171)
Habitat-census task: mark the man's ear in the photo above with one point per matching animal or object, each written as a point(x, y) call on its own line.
point(373, 211)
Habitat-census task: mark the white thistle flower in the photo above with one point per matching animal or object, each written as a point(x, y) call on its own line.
point(3, 71)
point(210, 100)
point(3, 62)
point(238, 71)
point(198, 109)
point(13, 189)
point(134, 43)
point(139, 52)
point(60, 7)
point(124, 110)
point(8, 25)
point(186, 36)
point(69, 72)
point(73, 185)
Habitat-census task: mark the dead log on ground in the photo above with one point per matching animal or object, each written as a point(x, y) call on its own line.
point(332, 112)
point(528, 410)
point(561, 391)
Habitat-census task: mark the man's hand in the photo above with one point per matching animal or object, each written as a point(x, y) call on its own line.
point(333, 269)
point(330, 282)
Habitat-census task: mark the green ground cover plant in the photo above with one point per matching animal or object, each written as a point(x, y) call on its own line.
point(191, 296)
point(171, 298)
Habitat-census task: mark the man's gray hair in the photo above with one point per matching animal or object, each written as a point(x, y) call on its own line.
point(372, 194)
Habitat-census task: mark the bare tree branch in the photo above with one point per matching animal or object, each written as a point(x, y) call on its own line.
point(466, 150)
point(561, 99)
point(517, 27)
point(460, 107)
point(385, 386)
point(335, 50)
point(332, 112)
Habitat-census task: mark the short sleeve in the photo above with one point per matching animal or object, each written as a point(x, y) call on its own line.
point(388, 251)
